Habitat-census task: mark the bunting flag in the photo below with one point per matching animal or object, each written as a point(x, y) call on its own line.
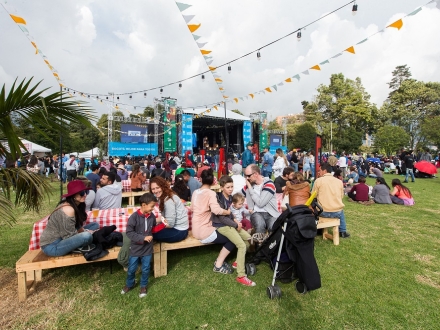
point(218, 80)
point(415, 12)
point(337, 55)
point(201, 44)
point(196, 37)
point(316, 67)
point(212, 68)
point(397, 24)
point(215, 107)
point(193, 27)
point(288, 80)
point(17, 19)
point(182, 6)
point(205, 52)
point(251, 95)
point(236, 100)
point(350, 50)
point(268, 89)
point(275, 87)
point(209, 62)
point(305, 72)
point(280, 84)
point(188, 18)
point(362, 41)
point(324, 62)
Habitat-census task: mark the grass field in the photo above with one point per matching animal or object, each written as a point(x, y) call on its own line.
point(385, 276)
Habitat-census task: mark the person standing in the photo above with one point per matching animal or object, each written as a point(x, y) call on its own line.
point(267, 162)
point(330, 192)
point(71, 167)
point(247, 157)
point(409, 165)
point(280, 163)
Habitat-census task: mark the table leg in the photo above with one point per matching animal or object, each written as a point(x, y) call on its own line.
point(22, 289)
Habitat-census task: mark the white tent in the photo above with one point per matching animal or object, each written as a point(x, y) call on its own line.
point(34, 149)
point(89, 153)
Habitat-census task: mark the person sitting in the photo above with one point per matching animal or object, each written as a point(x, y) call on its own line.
point(297, 192)
point(159, 171)
point(375, 172)
point(137, 178)
point(237, 177)
point(260, 197)
point(203, 202)
point(239, 211)
point(172, 210)
point(93, 176)
point(192, 183)
point(90, 193)
point(353, 174)
point(359, 192)
point(280, 181)
point(109, 196)
point(205, 166)
point(401, 195)
point(65, 230)
point(381, 192)
point(123, 174)
point(181, 189)
point(330, 192)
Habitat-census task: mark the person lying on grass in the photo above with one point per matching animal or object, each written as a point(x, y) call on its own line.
point(401, 195)
point(231, 228)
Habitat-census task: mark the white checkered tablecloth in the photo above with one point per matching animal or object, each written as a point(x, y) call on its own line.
point(117, 217)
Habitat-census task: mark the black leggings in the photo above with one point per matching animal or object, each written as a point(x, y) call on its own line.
point(227, 244)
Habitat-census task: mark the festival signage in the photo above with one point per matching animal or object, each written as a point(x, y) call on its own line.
point(134, 149)
point(169, 119)
point(247, 132)
point(186, 136)
point(263, 130)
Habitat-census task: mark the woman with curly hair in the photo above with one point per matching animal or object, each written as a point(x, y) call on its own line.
point(181, 189)
point(137, 178)
point(172, 209)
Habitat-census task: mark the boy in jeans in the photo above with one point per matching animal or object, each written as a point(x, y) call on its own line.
point(140, 228)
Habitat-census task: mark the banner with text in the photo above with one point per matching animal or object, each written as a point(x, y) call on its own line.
point(263, 130)
point(169, 118)
point(134, 149)
point(247, 133)
point(186, 135)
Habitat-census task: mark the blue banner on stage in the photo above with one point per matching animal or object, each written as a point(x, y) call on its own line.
point(246, 133)
point(187, 140)
point(134, 149)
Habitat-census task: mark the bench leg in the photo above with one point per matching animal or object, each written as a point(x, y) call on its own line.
point(163, 263)
point(38, 275)
point(336, 235)
point(156, 265)
point(324, 233)
point(22, 288)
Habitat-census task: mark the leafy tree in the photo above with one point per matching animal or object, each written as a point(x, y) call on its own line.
point(350, 140)
point(303, 137)
point(431, 130)
point(25, 103)
point(273, 125)
point(400, 74)
point(148, 112)
point(391, 138)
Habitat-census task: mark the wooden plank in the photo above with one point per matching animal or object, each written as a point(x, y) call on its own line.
point(327, 223)
point(156, 263)
point(336, 235)
point(38, 275)
point(126, 194)
point(186, 243)
point(22, 289)
point(163, 263)
point(28, 257)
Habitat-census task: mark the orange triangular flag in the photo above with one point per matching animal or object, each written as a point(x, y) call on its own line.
point(212, 68)
point(221, 88)
point(193, 27)
point(205, 52)
point(215, 107)
point(268, 89)
point(218, 80)
point(316, 67)
point(236, 100)
point(34, 44)
point(288, 80)
point(18, 19)
point(55, 74)
point(251, 95)
point(350, 50)
point(397, 24)
point(225, 97)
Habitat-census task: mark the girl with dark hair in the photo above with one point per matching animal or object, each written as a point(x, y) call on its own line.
point(65, 231)
point(401, 195)
point(203, 203)
point(172, 209)
point(181, 189)
point(381, 192)
point(32, 166)
point(137, 178)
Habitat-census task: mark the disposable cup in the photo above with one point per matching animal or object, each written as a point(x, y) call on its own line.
point(95, 212)
point(130, 209)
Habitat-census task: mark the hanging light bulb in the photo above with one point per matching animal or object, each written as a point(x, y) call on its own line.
point(88, 95)
point(229, 68)
point(74, 92)
point(117, 97)
point(130, 96)
point(161, 90)
point(180, 86)
point(355, 9)
point(203, 78)
point(298, 35)
point(134, 108)
point(106, 97)
point(258, 55)
point(145, 95)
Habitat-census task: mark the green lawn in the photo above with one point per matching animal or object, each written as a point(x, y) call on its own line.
point(385, 276)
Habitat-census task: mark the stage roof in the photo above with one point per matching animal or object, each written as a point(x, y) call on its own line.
point(220, 113)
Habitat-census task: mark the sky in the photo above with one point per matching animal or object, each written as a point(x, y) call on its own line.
point(107, 46)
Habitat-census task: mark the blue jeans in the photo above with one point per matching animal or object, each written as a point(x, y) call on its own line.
point(262, 221)
point(61, 247)
point(133, 263)
point(340, 215)
point(312, 169)
point(170, 235)
point(295, 166)
point(64, 175)
point(408, 172)
point(92, 226)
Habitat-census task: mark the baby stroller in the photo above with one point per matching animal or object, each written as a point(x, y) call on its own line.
point(293, 235)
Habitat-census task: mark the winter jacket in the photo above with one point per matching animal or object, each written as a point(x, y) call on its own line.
point(108, 197)
point(298, 193)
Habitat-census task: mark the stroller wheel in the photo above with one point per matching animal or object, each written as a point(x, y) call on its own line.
point(273, 291)
point(250, 269)
point(301, 287)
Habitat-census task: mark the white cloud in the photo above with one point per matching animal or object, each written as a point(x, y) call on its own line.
point(85, 27)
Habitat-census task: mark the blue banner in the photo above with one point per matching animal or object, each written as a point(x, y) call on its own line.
point(246, 133)
point(186, 137)
point(134, 149)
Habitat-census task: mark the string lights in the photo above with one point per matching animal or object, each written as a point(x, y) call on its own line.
point(354, 10)
point(229, 68)
point(298, 35)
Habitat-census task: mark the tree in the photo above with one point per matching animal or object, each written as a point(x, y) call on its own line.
point(431, 130)
point(303, 137)
point(26, 104)
point(349, 141)
point(391, 138)
point(273, 125)
point(400, 74)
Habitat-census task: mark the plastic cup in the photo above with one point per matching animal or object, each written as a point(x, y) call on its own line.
point(130, 209)
point(95, 212)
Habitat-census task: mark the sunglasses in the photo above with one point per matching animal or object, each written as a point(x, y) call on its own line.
point(83, 193)
point(249, 175)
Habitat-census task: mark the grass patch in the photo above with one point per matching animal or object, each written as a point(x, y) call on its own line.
point(385, 276)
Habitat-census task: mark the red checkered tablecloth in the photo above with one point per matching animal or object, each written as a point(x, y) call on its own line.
point(126, 185)
point(117, 217)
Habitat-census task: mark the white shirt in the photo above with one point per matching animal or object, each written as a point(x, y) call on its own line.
point(342, 162)
point(239, 183)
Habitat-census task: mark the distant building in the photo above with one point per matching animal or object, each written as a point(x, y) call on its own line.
point(297, 118)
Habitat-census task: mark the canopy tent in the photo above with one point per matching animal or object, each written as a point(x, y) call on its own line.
point(89, 153)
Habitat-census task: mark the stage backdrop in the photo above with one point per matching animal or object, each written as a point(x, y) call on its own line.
point(134, 149)
point(186, 136)
point(134, 133)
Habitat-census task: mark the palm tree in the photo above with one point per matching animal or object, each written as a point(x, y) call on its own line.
point(24, 102)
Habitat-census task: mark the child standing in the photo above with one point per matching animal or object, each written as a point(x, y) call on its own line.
point(239, 211)
point(140, 228)
point(230, 228)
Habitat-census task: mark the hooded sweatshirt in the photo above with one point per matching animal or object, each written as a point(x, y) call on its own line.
point(108, 197)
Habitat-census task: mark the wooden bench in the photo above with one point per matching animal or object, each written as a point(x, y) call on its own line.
point(324, 224)
point(30, 266)
point(188, 242)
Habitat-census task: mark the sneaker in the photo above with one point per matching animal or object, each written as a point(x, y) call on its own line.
point(245, 281)
point(234, 265)
point(405, 181)
point(125, 289)
point(224, 269)
point(143, 292)
point(344, 234)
